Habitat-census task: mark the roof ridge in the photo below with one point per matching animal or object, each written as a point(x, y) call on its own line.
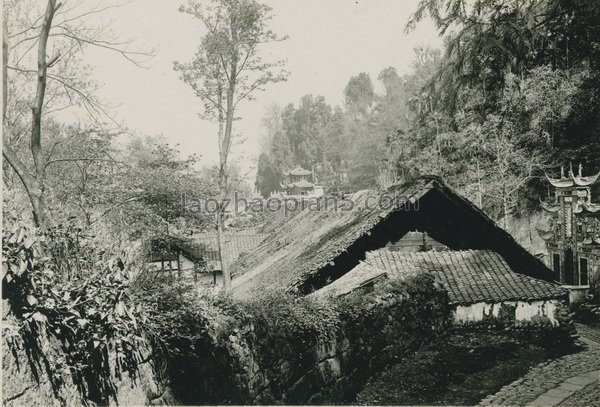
point(314, 240)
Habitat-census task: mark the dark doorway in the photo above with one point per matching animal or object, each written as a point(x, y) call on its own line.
point(569, 275)
point(556, 265)
point(583, 271)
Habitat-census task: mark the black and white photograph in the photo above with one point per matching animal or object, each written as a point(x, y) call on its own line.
point(300, 202)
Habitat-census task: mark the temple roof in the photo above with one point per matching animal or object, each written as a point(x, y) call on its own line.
point(572, 179)
point(560, 183)
point(590, 240)
point(301, 184)
point(585, 181)
point(546, 235)
point(591, 207)
point(552, 208)
point(299, 171)
point(581, 208)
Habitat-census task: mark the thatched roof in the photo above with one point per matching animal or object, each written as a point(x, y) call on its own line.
point(308, 249)
point(469, 276)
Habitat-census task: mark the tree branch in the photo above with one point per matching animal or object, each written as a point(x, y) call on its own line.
point(36, 108)
point(255, 85)
point(106, 45)
point(204, 95)
point(133, 199)
point(58, 160)
point(28, 180)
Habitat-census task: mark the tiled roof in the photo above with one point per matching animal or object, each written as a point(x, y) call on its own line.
point(302, 184)
point(469, 276)
point(356, 278)
point(205, 247)
point(300, 171)
point(307, 248)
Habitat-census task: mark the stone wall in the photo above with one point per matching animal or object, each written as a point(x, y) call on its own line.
point(242, 364)
point(26, 383)
point(238, 357)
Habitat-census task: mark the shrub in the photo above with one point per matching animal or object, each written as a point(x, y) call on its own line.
point(271, 349)
point(89, 316)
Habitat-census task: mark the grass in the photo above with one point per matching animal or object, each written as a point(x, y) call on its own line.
point(461, 369)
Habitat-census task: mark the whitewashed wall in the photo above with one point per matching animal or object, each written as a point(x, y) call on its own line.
point(524, 312)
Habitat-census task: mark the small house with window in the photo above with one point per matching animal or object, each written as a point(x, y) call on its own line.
point(197, 258)
point(176, 258)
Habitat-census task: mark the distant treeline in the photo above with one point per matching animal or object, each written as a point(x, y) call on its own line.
point(514, 93)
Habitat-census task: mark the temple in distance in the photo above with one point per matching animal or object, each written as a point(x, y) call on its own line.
point(300, 182)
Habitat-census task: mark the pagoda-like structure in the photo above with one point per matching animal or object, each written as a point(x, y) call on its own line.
point(300, 182)
point(573, 242)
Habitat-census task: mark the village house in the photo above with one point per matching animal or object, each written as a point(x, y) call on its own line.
point(198, 258)
point(480, 284)
point(309, 250)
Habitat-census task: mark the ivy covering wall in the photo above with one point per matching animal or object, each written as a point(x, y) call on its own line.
point(281, 349)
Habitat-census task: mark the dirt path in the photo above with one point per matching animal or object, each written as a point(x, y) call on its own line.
point(572, 380)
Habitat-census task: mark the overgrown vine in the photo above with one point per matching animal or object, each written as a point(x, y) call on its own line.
point(88, 314)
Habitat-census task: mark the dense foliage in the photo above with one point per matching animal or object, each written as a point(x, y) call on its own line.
point(276, 348)
point(517, 91)
point(83, 325)
point(514, 94)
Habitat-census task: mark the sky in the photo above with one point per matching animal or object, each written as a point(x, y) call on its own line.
point(329, 42)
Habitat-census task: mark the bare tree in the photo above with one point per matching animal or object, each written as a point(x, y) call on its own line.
point(64, 28)
point(228, 69)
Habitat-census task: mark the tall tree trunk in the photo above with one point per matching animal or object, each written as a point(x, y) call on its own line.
point(222, 192)
point(224, 149)
point(38, 200)
point(30, 183)
point(34, 184)
point(39, 208)
point(4, 70)
point(224, 145)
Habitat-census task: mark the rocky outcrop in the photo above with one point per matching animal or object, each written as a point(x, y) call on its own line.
point(26, 381)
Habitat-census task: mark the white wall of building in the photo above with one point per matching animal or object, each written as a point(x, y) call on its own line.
point(525, 311)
